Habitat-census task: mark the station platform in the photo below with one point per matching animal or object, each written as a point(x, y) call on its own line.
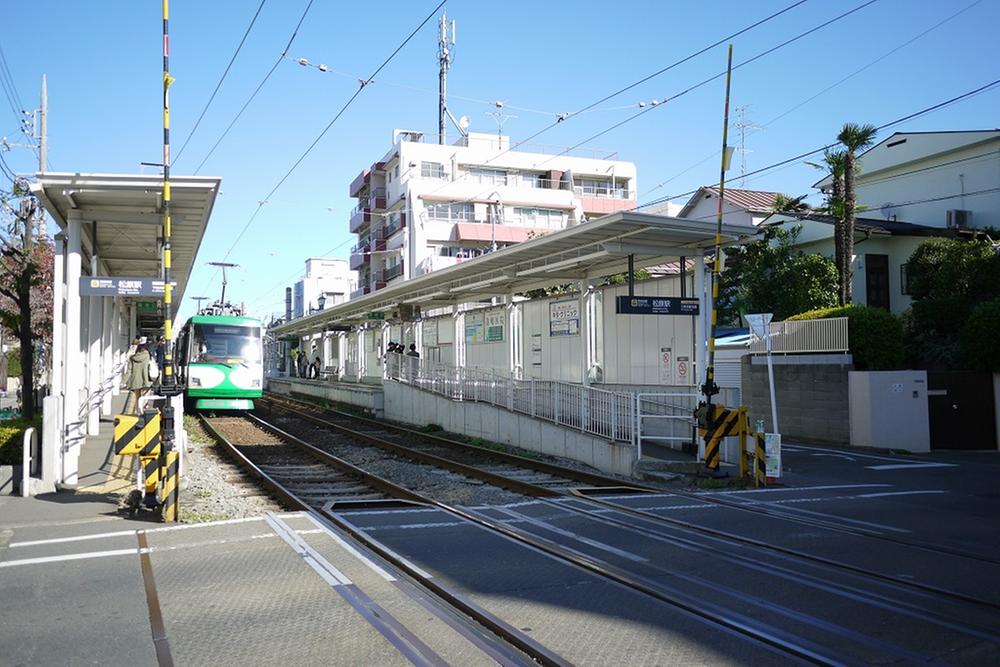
point(369, 397)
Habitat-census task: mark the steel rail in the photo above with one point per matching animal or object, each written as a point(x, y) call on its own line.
point(788, 551)
point(859, 532)
point(774, 639)
point(382, 485)
point(814, 581)
point(501, 629)
point(601, 482)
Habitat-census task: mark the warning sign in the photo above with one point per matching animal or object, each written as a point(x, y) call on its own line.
point(666, 366)
point(683, 370)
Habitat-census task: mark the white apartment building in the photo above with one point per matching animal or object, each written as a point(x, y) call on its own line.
point(426, 206)
point(329, 280)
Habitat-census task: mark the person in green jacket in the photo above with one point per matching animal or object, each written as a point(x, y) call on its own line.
point(138, 374)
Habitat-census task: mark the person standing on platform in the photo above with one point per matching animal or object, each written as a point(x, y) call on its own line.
point(295, 362)
point(138, 374)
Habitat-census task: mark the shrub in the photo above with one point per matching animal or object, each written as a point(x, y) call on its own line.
point(12, 439)
point(980, 337)
point(876, 335)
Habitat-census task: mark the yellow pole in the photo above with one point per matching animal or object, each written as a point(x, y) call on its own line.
point(710, 389)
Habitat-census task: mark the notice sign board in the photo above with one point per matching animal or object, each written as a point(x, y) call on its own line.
point(655, 305)
point(772, 447)
point(564, 317)
point(118, 286)
point(494, 326)
point(473, 328)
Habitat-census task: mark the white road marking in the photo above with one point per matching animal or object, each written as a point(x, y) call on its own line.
point(330, 574)
point(897, 459)
point(134, 551)
point(836, 456)
point(911, 466)
point(902, 493)
point(836, 517)
point(350, 549)
point(120, 533)
point(804, 488)
point(401, 559)
point(574, 536)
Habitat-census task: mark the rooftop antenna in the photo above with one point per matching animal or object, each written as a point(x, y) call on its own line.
point(446, 40)
point(499, 116)
point(224, 266)
point(742, 124)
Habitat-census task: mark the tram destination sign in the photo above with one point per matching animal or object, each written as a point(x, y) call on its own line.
point(119, 286)
point(655, 305)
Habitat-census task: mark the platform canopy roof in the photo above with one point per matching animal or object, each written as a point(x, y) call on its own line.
point(591, 250)
point(126, 213)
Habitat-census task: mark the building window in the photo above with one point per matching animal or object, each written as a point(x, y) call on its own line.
point(538, 217)
point(432, 170)
point(488, 176)
point(457, 212)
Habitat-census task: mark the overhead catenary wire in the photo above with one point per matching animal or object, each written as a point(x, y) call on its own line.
point(221, 79)
point(258, 88)
point(361, 87)
point(701, 83)
point(800, 156)
point(825, 90)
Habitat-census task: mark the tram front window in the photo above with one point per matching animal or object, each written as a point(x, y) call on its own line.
point(221, 344)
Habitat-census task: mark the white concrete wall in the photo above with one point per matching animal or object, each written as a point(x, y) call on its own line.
point(369, 398)
point(971, 169)
point(413, 406)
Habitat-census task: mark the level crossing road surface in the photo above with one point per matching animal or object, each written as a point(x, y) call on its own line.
point(294, 588)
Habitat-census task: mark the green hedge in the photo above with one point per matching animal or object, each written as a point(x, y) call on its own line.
point(980, 337)
point(12, 439)
point(876, 335)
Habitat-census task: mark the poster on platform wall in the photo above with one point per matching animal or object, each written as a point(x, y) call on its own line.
point(495, 323)
point(666, 366)
point(473, 328)
point(430, 333)
point(564, 317)
point(683, 373)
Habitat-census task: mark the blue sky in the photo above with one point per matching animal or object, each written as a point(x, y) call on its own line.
point(103, 65)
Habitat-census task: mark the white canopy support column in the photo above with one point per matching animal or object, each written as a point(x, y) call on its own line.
point(514, 337)
point(93, 346)
point(53, 428)
point(107, 356)
point(586, 330)
point(74, 430)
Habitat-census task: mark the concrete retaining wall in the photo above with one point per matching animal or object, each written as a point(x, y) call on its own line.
point(370, 398)
point(480, 420)
point(811, 393)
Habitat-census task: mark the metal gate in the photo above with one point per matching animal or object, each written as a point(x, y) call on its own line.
point(666, 418)
point(961, 410)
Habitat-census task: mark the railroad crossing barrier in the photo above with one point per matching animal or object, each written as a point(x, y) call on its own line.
point(722, 423)
point(142, 436)
point(760, 460)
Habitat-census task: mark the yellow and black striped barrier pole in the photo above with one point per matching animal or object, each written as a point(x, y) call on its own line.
point(760, 460)
point(168, 386)
point(710, 388)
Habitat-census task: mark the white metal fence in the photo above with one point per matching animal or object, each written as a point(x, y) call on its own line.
point(665, 417)
point(829, 335)
point(607, 414)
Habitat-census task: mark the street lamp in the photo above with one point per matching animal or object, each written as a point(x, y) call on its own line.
point(321, 301)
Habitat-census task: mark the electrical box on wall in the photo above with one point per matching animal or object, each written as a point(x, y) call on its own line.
point(888, 410)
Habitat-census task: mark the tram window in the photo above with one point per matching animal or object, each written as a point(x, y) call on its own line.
point(218, 343)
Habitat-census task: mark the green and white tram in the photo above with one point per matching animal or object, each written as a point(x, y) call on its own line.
point(219, 358)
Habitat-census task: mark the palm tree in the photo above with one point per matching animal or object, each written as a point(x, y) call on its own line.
point(785, 204)
point(854, 138)
point(833, 163)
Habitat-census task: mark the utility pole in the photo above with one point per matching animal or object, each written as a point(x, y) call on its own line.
point(742, 124)
point(43, 126)
point(446, 40)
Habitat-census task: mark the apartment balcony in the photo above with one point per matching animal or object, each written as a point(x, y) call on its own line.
point(436, 263)
point(360, 217)
point(360, 181)
point(377, 239)
point(393, 272)
point(597, 206)
point(395, 225)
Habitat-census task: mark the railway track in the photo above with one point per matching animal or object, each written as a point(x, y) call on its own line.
point(780, 627)
point(517, 473)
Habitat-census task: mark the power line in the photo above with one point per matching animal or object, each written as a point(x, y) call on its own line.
point(221, 79)
point(259, 86)
point(748, 61)
point(347, 104)
point(800, 156)
point(825, 90)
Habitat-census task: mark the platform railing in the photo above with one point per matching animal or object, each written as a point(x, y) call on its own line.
point(607, 414)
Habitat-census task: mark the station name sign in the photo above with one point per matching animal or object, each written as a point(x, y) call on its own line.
point(655, 305)
point(118, 286)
